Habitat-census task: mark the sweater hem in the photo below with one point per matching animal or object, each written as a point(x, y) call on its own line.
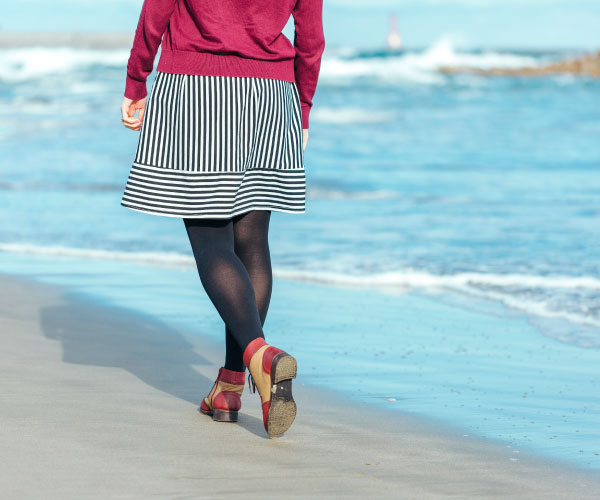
point(210, 64)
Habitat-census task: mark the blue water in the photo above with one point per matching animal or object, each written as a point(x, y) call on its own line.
point(476, 194)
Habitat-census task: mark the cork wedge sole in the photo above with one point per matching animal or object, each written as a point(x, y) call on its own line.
point(282, 408)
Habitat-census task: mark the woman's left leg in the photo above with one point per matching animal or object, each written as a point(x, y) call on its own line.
point(225, 278)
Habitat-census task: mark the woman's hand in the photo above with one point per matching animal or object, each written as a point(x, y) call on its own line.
point(128, 109)
point(304, 138)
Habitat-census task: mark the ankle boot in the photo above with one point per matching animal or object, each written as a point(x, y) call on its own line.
point(272, 371)
point(223, 401)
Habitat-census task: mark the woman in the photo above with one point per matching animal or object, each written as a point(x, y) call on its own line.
point(222, 139)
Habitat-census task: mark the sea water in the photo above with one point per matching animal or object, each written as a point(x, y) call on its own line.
point(479, 195)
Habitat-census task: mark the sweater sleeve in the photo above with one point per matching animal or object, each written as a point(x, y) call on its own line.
point(152, 24)
point(309, 42)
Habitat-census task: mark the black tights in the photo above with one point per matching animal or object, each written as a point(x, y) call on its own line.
point(234, 264)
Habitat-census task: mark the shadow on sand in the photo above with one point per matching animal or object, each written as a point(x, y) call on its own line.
point(154, 352)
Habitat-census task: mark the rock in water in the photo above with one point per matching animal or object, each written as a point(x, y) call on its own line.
point(588, 65)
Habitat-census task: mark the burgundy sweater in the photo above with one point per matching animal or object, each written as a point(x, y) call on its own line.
point(229, 38)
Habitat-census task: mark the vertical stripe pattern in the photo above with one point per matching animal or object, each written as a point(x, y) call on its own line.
point(218, 146)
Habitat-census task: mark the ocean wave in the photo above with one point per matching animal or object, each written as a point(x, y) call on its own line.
point(417, 279)
point(326, 193)
point(19, 64)
point(350, 116)
point(418, 67)
point(56, 186)
point(531, 294)
point(312, 192)
point(554, 297)
point(26, 63)
point(164, 259)
point(21, 105)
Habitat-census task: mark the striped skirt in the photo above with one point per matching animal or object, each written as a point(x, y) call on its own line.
point(218, 146)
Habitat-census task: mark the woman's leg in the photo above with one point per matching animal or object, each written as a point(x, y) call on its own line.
point(251, 244)
point(225, 277)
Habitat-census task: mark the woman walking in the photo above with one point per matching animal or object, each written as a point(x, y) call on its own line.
point(221, 146)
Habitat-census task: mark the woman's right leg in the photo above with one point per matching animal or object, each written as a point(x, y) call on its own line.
point(251, 244)
point(225, 278)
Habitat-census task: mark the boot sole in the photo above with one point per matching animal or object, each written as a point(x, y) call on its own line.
point(282, 408)
point(225, 416)
point(221, 415)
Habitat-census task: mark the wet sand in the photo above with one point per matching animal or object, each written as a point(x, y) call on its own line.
point(100, 402)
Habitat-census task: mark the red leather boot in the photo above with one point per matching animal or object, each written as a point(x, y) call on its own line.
point(272, 371)
point(223, 401)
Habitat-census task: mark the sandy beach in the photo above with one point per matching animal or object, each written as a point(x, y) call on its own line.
point(100, 402)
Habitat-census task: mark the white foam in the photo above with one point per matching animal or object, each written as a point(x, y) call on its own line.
point(409, 278)
point(443, 53)
point(20, 64)
point(167, 259)
point(321, 193)
point(349, 116)
point(418, 67)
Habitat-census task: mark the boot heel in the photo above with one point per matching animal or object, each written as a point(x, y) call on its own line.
point(223, 400)
point(282, 409)
point(272, 371)
point(225, 416)
point(284, 366)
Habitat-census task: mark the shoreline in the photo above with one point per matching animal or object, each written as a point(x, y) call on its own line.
point(462, 365)
point(103, 399)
